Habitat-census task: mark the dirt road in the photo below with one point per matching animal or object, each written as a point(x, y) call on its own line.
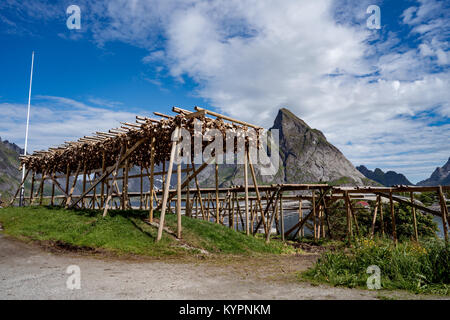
point(29, 272)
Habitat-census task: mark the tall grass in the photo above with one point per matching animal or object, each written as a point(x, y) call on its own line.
point(417, 267)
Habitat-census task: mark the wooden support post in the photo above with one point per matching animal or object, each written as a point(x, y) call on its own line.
point(141, 197)
point(52, 200)
point(20, 187)
point(152, 177)
point(83, 202)
point(217, 191)
point(443, 212)
point(247, 229)
point(166, 186)
point(380, 204)
point(94, 196)
point(113, 183)
point(374, 219)
point(179, 189)
point(313, 204)
point(416, 233)
point(300, 232)
point(41, 188)
point(394, 230)
point(258, 196)
point(281, 216)
point(33, 178)
point(188, 210)
point(270, 221)
point(349, 218)
point(125, 183)
point(163, 177)
point(102, 186)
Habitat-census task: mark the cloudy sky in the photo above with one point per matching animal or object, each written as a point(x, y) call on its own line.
point(382, 96)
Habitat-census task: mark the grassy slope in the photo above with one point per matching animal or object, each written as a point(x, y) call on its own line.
point(125, 232)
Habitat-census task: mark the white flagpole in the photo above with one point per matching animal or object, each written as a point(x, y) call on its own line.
point(22, 191)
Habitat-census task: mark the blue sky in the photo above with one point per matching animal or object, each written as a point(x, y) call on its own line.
point(381, 96)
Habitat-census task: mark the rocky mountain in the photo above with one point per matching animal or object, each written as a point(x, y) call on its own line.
point(440, 176)
point(307, 156)
point(388, 179)
point(10, 176)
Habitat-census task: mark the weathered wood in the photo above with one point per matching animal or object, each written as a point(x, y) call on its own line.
point(216, 171)
point(69, 196)
point(102, 186)
point(413, 209)
point(443, 212)
point(282, 216)
point(179, 191)
point(166, 187)
point(374, 219)
point(394, 229)
point(20, 187)
point(152, 177)
point(110, 188)
point(349, 218)
point(258, 196)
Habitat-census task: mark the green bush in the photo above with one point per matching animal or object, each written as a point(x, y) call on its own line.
point(421, 268)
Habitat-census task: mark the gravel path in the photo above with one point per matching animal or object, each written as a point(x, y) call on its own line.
point(29, 272)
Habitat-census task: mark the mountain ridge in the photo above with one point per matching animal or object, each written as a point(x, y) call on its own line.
point(387, 179)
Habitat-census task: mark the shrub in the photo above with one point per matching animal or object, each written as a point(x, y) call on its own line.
point(421, 268)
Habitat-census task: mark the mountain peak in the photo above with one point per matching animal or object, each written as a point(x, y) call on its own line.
point(440, 176)
point(307, 156)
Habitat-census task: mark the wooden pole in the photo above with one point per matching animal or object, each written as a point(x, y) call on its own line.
point(349, 218)
point(102, 186)
point(83, 203)
point(394, 230)
point(416, 233)
point(258, 196)
point(314, 214)
point(443, 212)
point(247, 229)
point(166, 187)
point(152, 177)
point(281, 216)
point(41, 189)
point(141, 197)
point(52, 201)
point(374, 219)
point(33, 178)
point(110, 188)
point(188, 196)
point(380, 204)
point(300, 217)
point(179, 191)
point(217, 191)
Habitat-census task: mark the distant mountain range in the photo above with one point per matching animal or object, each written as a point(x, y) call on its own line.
point(440, 176)
point(388, 179)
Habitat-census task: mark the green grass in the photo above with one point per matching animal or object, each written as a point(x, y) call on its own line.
point(124, 232)
point(419, 268)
